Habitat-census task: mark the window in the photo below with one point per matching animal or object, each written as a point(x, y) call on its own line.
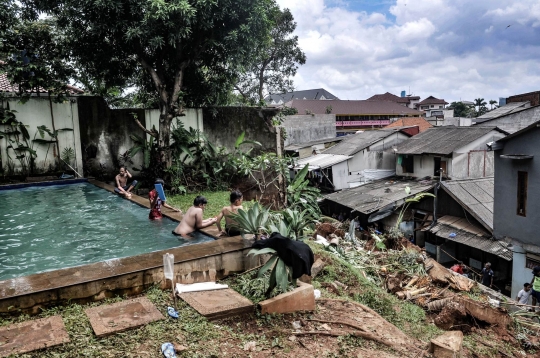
point(522, 194)
point(440, 107)
point(432, 106)
point(407, 163)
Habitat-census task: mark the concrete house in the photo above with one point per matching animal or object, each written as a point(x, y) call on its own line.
point(404, 100)
point(326, 171)
point(460, 152)
point(315, 94)
point(511, 118)
point(372, 154)
point(517, 200)
point(432, 106)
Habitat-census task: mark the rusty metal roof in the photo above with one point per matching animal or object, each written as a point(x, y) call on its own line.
point(374, 196)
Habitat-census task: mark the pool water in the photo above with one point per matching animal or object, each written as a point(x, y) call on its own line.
point(48, 228)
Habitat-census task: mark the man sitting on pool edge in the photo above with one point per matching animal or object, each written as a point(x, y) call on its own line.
point(236, 199)
point(122, 187)
point(193, 219)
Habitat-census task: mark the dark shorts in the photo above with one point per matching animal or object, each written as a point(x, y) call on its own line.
point(535, 294)
point(133, 184)
point(231, 231)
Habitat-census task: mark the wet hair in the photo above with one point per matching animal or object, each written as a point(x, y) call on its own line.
point(536, 269)
point(235, 195)
point(200, 200)
point(488, 264)
point(123, 167)
point(159, 181)
point(526, 284)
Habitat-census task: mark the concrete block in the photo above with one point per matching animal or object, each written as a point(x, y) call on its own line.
point(218, 304)
point(301, 298)
point(121, 316)
point(32, 335)
point(317, 267)
point(447, 345)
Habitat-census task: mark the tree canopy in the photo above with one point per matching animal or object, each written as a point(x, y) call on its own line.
point(460, 109)
point(181, 51)
point(274, 60)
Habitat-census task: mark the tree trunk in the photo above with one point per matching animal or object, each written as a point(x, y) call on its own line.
point(164, 141)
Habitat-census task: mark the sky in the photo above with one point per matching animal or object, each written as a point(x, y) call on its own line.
point(450, 49)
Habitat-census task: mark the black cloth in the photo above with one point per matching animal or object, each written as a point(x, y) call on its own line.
point(294, 254)
point(486, 277)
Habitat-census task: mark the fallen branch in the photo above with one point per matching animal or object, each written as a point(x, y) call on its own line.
point(494, 347)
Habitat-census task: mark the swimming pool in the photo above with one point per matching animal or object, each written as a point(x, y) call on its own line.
point(48, 228)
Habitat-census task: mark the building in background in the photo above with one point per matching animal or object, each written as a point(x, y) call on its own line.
point(532, 97)
point(404, 100)
point(314, 94)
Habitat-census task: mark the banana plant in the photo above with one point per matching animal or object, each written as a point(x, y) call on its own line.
point(301, 196)
point(253, 221)
point(281, 274)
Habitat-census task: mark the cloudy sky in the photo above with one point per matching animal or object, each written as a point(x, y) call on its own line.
point(451, 49)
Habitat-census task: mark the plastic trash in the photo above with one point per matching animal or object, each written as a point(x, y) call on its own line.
point(452, 234)
point(201, 286)
point(172, 312)
point(321, 240)
point(317, 294)
point(168, 350)
point(168, 266)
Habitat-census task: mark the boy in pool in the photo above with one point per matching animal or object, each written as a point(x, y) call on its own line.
point(122, 187)
point(193, 219)
point(156, 203)
point(236, 203)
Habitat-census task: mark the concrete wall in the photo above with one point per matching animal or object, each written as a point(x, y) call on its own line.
point(223, 125)
point(516, 121)
point(309, 128)
point(340, 176)
point(193, 117)
point(424, 165)
point(37, 112)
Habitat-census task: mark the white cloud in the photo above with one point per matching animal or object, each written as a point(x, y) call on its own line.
point(447, 48)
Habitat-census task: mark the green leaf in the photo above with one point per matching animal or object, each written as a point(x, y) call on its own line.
point(282, 277)
point(266, 250)
point(269, 264)
point(239, 140)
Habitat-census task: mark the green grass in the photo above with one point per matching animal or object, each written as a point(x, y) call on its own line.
point(216, 201)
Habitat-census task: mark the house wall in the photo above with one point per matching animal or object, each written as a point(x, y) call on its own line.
point(340, 175)
point(308, 128)
point(37, 112)
point(424, 165)
point(223, 125)
point(515, 121)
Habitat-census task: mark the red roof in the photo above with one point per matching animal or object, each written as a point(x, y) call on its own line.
point(411, 121)
point(352, 108)
point(392, 97)
point(7, 86)
point(433, 100)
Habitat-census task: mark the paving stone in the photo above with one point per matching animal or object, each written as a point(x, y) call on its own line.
point(301, 298)
point(121, 316)
point(32, 335)
point(218, 303)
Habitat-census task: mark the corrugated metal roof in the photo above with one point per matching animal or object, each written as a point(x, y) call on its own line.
point(371, 197)
point(470, 235)
point(502, 111)
point(321, 161)
point(476, 196)
point(353, 108)
point(298, 146)
point(442, 140)
point(354, 143)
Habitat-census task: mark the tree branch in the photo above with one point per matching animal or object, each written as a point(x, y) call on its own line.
point(158, 83)
point(152, 132)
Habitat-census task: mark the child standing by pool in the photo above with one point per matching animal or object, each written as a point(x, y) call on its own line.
point(156, 203)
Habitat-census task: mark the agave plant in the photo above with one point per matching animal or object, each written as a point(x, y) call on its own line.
point(252, 221)
point(281, 274)
point(297, 221)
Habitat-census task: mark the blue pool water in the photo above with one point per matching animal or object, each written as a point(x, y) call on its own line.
point(48, 228)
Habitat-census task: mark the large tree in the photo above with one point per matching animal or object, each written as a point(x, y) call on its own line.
point(180, 48)
point(274, 60)
point(460, 109)
point(480, 103)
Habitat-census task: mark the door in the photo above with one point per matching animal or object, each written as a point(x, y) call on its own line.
point(436, 166)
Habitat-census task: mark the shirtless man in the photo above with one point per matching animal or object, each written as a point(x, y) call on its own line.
point(236, 203)
point(193, 219)
point(122, 187)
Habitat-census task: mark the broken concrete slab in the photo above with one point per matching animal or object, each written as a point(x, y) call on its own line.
point(447, 345)
point(121, 316)
point(219, 303)
point(301, 298)
point(317, 267)
point(32, 335)
point(498, 317)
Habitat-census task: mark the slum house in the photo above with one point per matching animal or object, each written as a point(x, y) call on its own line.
point(460, 152)
point(376, 203)
point(304, 150)
point(517, 200)
point(327, 172)
point(512, 121)
point(372, 154)
point(461, 228)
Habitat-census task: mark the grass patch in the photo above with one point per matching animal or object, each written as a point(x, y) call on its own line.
point(216, 201)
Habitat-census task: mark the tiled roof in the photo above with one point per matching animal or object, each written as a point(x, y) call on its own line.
point(353, 108)
point(443, 140)
point(411, 121)
point(433, 100)
point(7, 86)
point(392, 97)
point(306, 94)
point(476, 196)
point(378, 195)
point(354, 143)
